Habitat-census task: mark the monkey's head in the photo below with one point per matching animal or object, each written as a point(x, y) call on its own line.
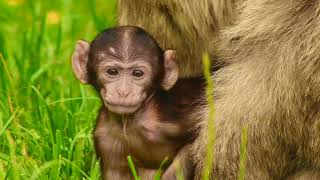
point(126, 65)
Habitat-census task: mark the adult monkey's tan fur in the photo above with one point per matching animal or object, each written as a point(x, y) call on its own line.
point(271, 84)
point(188, 26)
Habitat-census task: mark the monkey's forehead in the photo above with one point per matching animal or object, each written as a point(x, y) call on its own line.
point(116, 48)
point(125, 64)
point(111, 50)
point(126, 53)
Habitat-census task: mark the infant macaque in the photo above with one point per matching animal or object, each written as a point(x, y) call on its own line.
point(146, 112)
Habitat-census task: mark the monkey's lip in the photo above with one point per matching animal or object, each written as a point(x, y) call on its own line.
point(122, 105)
point(122, 108)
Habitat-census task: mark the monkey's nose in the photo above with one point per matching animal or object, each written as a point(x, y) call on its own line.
point(123, 93)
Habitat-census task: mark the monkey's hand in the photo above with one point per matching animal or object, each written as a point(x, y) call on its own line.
point(181, 166)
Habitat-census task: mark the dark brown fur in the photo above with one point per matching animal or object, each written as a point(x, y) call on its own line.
point(271, 84)
point(161, 131)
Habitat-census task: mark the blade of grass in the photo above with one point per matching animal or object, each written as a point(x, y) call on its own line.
point(179, 173)
point(73, 146)
point(243, 154)
point(40, 71)
point(2, 46)
point(6, 68)
point(54, 173)
point(78, 154)
point(8, 122)
point(95, 169)
point(73, 99)
point(59, 37)
point(210, 122)
point(44, 106)
point(39, 44)
point(15, 174)
point(2, 171)
point(160, 170)
point(133, 169)
point(98, 21)
point(47, 165)
point(75, 167)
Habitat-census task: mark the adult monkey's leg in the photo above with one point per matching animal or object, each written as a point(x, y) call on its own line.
point(188, 26)
point(305, 175)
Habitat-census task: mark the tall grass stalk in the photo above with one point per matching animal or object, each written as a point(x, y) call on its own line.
point(210, 121)
point(243, 154)
point(133, 169)
point(160, 170)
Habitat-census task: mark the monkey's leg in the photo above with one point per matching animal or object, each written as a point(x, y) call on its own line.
point(117, 174)
point(267, 155)
point(115, 167)
point(147, 174)
point(181, 166)
point(265, 159)
point(309, 149)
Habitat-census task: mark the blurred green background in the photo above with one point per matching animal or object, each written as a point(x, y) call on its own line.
point(46, 116)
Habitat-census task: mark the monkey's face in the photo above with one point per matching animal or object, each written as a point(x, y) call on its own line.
point(126, 66)
point(124, 85)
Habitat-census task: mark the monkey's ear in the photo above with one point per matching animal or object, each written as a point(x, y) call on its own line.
point(80, 58)
point(171, 70)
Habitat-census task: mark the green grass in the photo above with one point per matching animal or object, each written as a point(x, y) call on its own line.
point(46, 116)
point(133, 169)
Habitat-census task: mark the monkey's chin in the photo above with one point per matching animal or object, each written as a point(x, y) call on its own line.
point(122, 109)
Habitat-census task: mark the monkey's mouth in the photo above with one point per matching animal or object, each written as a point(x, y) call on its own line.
point(122, 108)
point(123, 105)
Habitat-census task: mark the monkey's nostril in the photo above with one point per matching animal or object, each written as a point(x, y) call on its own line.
point(125, 94)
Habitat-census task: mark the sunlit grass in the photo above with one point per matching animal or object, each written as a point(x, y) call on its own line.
point(210, 120)
point(15, 2)
point(243, 154)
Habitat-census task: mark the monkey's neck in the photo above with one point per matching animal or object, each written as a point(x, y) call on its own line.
point(120, 118)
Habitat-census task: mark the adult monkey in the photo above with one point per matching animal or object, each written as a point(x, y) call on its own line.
point(270, 86)
point(186, 26)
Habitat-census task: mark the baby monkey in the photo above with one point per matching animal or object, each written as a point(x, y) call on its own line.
point(146, 111)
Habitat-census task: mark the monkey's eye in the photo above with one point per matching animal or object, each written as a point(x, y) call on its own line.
point(112, 72)
point(137, 73)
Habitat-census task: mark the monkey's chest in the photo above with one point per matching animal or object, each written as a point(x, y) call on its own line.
point(150, 154)
point(152, 139)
